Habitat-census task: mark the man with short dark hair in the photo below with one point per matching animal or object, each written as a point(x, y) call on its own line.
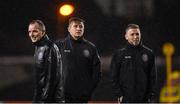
point(48, 65)
point(81, 64)
point(133, 69)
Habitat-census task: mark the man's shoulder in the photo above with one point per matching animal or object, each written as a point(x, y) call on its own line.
point(89, 43)
point(51, 46)
point(147, 49)
point(61, 42)
point(120, 51)
point(47, 44)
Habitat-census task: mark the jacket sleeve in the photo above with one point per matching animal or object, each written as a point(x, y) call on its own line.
point(41, 71)
point(152, 81)
point(115, 73)
point(52, 76)
point(96, 75)
point(59, 93)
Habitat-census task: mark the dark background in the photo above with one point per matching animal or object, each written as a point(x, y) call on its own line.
point(105, 31)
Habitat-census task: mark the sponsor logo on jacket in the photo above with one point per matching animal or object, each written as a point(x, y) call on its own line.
point(127, 57)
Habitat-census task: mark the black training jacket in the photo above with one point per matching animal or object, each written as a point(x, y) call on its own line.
point(48, 72)
point(133, 73)
point(81, 67)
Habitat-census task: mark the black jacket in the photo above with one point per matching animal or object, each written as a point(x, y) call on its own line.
point(48, 72)
point(81, 67)
point(134, 73)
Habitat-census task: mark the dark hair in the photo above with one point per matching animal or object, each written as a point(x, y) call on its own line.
point(72, 19)
point(132, 26)
point(40, 23)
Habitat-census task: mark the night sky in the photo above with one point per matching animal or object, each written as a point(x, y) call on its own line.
point(102, 30)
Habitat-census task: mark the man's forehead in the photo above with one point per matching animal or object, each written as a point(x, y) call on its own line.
point(77, 22)
point(134, 30)
point(35, 25)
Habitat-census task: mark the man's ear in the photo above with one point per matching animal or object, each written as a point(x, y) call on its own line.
point(126, 37)
point(43, 32)
point(68, 28)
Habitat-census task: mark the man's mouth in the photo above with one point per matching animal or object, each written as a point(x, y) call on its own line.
point(78, 32)
point(33, 38)
point(136, 40)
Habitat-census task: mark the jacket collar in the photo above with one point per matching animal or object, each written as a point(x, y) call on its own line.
point(128, 45)
point(42, 41)
point(81, 39)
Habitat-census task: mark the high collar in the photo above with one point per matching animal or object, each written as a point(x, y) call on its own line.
point(42, 41)
point(75, 41)
point(128, 45)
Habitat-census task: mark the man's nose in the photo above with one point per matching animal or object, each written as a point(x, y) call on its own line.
point(30, 34)
point(136, 36)
point(78, 28)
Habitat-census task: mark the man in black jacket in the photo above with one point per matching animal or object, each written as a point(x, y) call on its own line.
point(48, 65)
point(81, 63)
point(133, 69)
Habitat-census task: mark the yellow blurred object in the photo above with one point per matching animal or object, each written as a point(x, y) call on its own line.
point(66, 9)
point(171, 92)
point(168, 49)
point(173, 98)
point(176, 75)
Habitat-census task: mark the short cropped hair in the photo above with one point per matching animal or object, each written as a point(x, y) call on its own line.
point(72, 19)
point(40, 23)
point(132, 26)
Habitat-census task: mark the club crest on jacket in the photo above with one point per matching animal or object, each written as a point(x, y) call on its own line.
point(86, 53)
point(145, 57)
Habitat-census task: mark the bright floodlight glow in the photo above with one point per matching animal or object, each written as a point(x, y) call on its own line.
point(66, 9)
